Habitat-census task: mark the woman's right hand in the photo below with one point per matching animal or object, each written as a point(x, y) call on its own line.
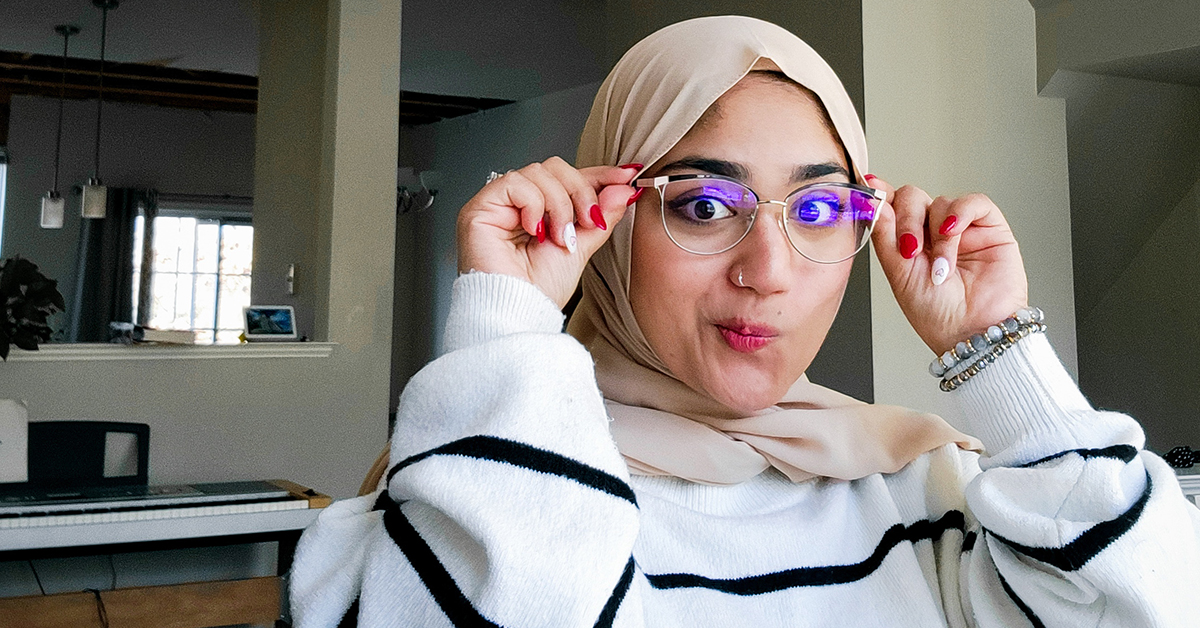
point(543, 222)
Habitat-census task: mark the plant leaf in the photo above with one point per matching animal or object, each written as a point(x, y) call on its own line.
point(25, 340)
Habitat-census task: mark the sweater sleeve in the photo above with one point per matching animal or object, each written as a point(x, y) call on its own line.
point(506, 500)
point(1079, 526)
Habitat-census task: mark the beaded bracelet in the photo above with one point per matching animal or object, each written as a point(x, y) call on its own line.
point(971, 356)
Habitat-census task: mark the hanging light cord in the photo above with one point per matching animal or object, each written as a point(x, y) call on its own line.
point(100, 102)
point(62, 93)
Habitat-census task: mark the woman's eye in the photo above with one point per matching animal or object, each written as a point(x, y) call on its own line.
point(818, 210)
point(702, 209)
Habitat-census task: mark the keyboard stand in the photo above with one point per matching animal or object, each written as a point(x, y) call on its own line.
point(195, 604)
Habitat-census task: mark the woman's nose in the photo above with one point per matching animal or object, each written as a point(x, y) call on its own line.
point(764, 257)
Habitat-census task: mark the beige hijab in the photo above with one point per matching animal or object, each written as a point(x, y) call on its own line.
point(654, 95)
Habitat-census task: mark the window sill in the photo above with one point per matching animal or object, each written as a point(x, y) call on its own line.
point(100, 351)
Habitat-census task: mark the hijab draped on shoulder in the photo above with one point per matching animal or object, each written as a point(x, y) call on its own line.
point(654, 95)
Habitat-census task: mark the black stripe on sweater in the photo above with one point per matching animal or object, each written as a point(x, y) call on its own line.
point(350, 617)
point(609, 614)
point(1124, 453)
point(433, 575)
point(440, 583)
point(525, 457)
point(1012, 595)
point(816, 576)
point(1077, 553)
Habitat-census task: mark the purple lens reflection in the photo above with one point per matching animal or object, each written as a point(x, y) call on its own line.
point(727, 193)
point(863, 205)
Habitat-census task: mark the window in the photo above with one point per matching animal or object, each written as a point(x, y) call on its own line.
point(200, 272)
point(3, 187)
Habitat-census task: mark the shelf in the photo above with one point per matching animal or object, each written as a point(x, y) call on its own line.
point(99, 351)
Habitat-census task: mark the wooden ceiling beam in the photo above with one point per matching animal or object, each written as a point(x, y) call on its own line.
point(43, 75)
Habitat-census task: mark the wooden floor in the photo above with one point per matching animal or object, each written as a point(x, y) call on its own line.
point(191, 605)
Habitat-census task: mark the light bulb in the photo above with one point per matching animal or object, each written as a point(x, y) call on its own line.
point(94, 203)
point(53, 208)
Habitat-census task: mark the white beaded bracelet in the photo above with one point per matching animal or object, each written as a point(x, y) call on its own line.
point(970, 356)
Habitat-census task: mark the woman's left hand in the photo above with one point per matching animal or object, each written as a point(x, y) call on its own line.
point(968, 242)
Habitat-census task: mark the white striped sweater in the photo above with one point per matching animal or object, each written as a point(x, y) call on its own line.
point(508, 505)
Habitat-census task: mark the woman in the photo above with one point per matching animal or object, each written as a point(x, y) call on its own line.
point(691, 475)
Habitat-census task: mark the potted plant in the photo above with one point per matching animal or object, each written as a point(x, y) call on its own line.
point(27, 299)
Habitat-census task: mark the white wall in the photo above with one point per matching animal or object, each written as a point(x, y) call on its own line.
point(1135, 160)
point(1143, 333)
point(952, 106)
point(1130, 75)
point(1134, 146)
point(1103, 33)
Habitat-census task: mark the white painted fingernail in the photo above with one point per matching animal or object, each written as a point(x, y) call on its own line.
point(569, 237)
point(941, 270)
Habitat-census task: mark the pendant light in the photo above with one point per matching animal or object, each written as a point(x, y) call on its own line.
point(94, 203)
point(53, 205)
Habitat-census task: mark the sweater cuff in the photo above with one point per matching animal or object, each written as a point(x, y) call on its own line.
point(485, 306)
point(1025, 391)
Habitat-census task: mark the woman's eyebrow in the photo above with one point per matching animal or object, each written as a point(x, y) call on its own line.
point(737, 171)
point(711, 166)
point(816, 171)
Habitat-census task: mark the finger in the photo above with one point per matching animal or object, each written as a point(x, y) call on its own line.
point(884, 237)
point(583, 195)
point(880, 184)
point(560, 209)
point(613, 202)
point(949, 219)
point(525, 196)
point(943, 249)
point(911, 205)
point(602, 176)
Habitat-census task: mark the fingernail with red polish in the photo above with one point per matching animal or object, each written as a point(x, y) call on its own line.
point(598, 218)
point(869, 177)
point(541, 231)
point(632, 166)
point(636, 195)
point(908, 245)
point(948, 225)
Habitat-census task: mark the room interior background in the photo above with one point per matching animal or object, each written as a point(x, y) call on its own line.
point(1080, 119)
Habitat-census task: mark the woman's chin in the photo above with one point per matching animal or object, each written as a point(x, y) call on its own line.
point(746, 400)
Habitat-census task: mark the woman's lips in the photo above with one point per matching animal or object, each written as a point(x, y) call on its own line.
point(746, 337)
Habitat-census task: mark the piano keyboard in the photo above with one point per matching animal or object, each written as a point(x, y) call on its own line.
point(148, 513)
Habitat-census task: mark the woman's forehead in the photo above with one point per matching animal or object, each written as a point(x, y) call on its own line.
point(763, 127)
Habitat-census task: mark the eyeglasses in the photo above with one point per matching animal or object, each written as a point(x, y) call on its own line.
point(707, 214)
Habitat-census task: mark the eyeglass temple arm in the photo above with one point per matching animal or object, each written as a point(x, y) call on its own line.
point(653, 182)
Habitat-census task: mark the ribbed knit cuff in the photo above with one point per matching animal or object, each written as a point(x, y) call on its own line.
point(484, 306)
point(1026, 391)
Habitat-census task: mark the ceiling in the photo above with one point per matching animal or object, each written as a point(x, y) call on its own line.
point(219, 36)
point(1181, 67)
point(450, 47)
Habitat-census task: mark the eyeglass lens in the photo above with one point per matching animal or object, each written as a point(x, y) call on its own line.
point(825, 223)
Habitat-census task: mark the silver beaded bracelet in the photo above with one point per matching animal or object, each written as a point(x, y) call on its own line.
point(971, 356)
